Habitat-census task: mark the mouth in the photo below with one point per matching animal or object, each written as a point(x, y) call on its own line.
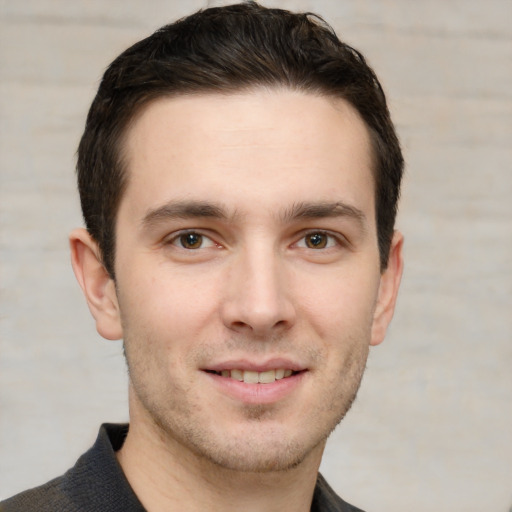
point(253, 382)
point(254, 377)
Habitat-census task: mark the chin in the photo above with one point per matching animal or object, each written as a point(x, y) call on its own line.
point(250, 456)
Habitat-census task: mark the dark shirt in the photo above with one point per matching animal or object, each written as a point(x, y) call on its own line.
point(96, 483)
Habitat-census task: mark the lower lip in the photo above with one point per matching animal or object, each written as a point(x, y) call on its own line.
point(257, 393)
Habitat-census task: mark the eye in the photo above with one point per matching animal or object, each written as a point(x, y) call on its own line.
point(317, 240)
point(192, 240)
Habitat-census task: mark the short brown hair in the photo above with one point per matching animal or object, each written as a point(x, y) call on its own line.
point(230, 49)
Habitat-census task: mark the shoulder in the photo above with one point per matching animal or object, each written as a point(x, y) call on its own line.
point(95, 483)
point(326, 500)
point(51, 496)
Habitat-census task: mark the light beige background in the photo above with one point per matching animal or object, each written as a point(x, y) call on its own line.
point(432, 427)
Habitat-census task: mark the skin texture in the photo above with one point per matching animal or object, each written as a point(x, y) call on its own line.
point(254, 181)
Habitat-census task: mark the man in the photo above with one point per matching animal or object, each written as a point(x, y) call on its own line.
point(239, 177)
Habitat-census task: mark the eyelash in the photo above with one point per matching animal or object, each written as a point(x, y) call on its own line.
point(178, 237)
point(331, 240)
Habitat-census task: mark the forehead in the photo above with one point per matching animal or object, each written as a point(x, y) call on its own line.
point(273, 147)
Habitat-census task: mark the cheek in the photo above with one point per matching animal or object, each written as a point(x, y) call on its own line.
point(339, 304)
point(165, 312)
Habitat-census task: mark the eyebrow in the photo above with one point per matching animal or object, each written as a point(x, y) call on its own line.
point(325, 210)
point(183, 210)
point(204, 209)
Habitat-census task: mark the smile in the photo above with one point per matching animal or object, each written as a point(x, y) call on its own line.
point(253, 383)
point(252, 377)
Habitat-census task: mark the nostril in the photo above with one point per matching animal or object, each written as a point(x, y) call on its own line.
point(240, 325)
point(257, 328)
point(257, 313)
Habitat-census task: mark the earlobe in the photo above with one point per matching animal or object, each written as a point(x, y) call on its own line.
point(388, 290)
point(97, 285)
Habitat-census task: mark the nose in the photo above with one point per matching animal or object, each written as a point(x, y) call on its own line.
point(259, 297)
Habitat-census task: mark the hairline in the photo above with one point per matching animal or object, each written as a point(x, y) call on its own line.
point(121, 149)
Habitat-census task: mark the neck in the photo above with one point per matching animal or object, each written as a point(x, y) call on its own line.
point(166, 476)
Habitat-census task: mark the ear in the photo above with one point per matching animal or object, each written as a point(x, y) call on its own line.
point(98, 287)
point(388, 290)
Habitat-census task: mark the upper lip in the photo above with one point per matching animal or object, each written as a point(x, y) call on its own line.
point(247, 365)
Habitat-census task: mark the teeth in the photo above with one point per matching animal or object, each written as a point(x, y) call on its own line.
point(236, 374)
point(267, 377)
point(251, 377)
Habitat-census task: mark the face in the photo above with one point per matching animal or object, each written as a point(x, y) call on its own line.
point(247, 273)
